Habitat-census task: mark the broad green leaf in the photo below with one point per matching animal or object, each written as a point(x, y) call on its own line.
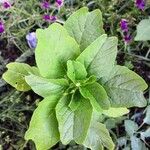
point(145, 134)
point(124, 87)
point(92, 79)
point(98, 137)
point(111, 123)
point(122, 141)
point(143, 30)
point(131, 127)
point(147, 118)
point(116, 112)
point(43, 128)
point(76, 71)
point(99, 57)
point(46, 87)
point(84, 26)
point(15, 75)
point(73, 125)
point(97, 96)
point(75, 101)
point(53, 49)
point(137, 144)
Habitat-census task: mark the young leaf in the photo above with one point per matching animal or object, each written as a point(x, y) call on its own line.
point(99, 57)
point(46, 87)
point(43, 129)
point(90, 80)
point(124, 87)
point(84, 26)
point(116, 112)
point(73, 125)
point(98, 137)
point(97, 96)
point(76, 71)
point(15, 75)
point(147, 118)
point(53, 49)
point(75, 101)
point(131, 127)
point(145, 134)
point(143, 30)
point(137, 144)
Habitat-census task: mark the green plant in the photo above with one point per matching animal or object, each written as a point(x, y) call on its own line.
point(77, 76)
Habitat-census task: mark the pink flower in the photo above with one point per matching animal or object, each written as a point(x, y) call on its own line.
point(140, 4)
point(45, 5)
point(49, 18)
point(2, 28)
point(127, 38)
point(59, 3)
point(6, 4)
point(124, 25)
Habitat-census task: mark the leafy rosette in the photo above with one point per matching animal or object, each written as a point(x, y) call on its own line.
point(79, 80)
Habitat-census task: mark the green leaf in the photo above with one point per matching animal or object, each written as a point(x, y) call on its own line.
point(97, 96)
point(131, 127)
point(99, 57)
point(143, 30)
point(53, 49)
point(84, 26)
point(147, 118)
point(76, 71)
point(124, 88)
point(137, 144)
point(97, 137)
point(73, 125)
point(75, 101)
point(43, 129)
point(15, 75)
point(46, 87)
point(145, 134)
point(92, 79)
point(116, 112)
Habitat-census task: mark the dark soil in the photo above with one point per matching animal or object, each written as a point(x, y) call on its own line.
point(9, 52)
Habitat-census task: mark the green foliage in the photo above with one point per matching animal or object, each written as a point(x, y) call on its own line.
point(46, 87)
point(85, 27)
point(97, 96)
point(115, 112)
point(131, 127)
point(54, 50)
point(124, 87)
point(43, 129)
point(99, 57)
point(76, 71)
point(97, 137)
point(143, 30)
point(79, 82)
point(16, 73)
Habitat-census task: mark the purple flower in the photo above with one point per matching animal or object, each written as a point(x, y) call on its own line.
point(46, 17)
point(31, 40)
point(127, 38)
point(59, 3)
point(140, 4)
point(45, 5)
point(53, 18)
point(2, 28)
point(124, 25)
point(6, 4)
point(49, 18)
